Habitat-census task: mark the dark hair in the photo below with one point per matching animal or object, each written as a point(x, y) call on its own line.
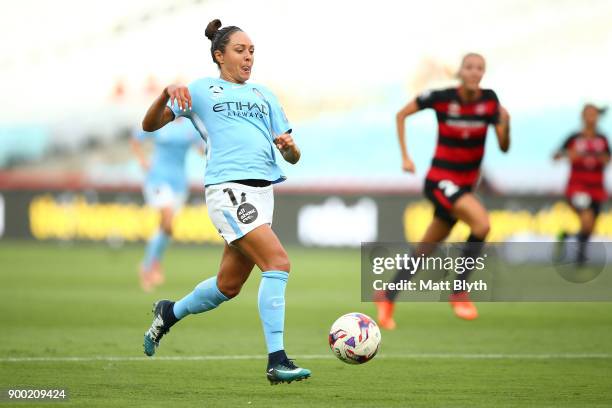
point(219, 37)
point(601, 110)
point(471, 54)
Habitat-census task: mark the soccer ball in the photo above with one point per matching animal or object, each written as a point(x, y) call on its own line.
point(354, 338)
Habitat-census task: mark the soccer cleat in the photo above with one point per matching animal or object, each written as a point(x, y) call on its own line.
point(385, 311)
point(462, 306)
point(158, 328)
point(286, 372)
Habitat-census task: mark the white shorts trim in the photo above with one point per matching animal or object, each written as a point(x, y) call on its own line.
point(162, 196)
point(236, 209)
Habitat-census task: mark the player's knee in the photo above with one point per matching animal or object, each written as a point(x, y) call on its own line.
point(278, 262)
point(229, 289)
point(482, 228)
point(167, 228)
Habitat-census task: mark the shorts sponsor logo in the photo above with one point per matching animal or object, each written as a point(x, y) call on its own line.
point(246, 213)
point(581, 201)
point(448, 187)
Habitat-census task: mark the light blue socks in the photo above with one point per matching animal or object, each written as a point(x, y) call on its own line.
point(155, 249)
point(206, 296)
point(271, 302)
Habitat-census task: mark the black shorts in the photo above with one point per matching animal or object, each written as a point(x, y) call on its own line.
point(583, 201)
point(443, 195)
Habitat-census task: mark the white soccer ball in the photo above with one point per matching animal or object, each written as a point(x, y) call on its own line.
point(354, 338)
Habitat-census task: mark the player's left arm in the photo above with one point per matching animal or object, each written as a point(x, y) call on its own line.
point(502, 129)
point(281, 129)
point(604, 157)
point(286, 145)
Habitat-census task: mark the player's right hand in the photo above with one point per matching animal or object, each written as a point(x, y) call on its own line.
point(179, 94)
point(408, 165)
point(573, 155)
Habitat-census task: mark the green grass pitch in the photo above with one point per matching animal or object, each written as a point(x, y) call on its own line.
point(83, 301)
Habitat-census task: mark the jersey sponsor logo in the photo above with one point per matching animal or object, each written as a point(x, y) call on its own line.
point(246, 213)
point(216, 91)
point(581, 145)
point(472, 124)
point(244, 109)
point(480, 109)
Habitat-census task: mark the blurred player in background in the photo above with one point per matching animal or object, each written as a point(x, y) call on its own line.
point(588, 152)
point(166, 187)
point(245, 123)
point(464, 115)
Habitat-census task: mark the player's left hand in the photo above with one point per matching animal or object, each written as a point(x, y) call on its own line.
point(284, 141)
point(288, 148)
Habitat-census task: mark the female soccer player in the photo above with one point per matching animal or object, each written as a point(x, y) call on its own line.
point(244, 122)
point(588, 152)
point(464, 115)
point(165, 189)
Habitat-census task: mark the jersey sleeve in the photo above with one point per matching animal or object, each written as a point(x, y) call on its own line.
point(566, 144)
point(606, 144)
point(427, 99)
point(193, 89)
point(141, 135)
point(278, 119)
point(495, 116)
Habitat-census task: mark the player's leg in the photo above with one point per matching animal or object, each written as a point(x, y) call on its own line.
point(167, 201)
point(159, 244)
point(262, 246)
point(587, 218)
point(234, 270)
point(441, 225)
point(587, 211)
point(468, 209)
point(436, 232)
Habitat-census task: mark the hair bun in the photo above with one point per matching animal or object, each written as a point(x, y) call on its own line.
point(212, 28)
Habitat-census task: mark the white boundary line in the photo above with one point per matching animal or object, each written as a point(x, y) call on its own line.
point(450, 356)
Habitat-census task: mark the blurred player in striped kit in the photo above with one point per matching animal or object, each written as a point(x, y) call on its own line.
point(464, 115)
point(166, 187)
point(588, 152)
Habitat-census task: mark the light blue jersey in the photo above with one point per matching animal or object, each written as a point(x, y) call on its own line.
point(242, 122)
point(172, 142)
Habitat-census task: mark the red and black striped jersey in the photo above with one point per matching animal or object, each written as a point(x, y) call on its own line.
point(587, 170)
point(462, 130)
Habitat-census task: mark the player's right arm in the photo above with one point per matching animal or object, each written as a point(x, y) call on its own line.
point(400, 119)
point(136, 143)
point(566, 150)
point(139, 153)
point(159, 114)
